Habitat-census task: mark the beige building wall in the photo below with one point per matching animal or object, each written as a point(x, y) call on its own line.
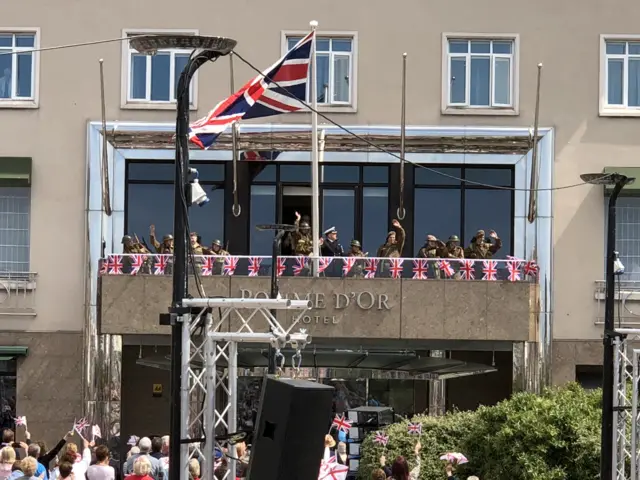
point(564, 36)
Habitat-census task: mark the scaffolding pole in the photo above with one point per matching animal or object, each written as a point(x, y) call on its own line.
point(210, 368)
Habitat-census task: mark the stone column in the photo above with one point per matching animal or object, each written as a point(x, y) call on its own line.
point(437, 391)
point(526, 367)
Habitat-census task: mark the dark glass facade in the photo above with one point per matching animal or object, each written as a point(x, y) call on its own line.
point(360, 200)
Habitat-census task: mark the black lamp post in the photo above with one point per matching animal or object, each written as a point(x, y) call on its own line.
point(281, 230)
point(618, 182)
point(205, 49)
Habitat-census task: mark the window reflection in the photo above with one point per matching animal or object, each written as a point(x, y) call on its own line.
point(165, 172)
point(500, 177)
point(397, 394)
point(295, 173)
point(263, 211)
point(424, 176)
point(338, 211)
point(489, 210)
point(437, 212)
point(152, 204)
point(375, 174)
point(340, 174)
point(375, 205)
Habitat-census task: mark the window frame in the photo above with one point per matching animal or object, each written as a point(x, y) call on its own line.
point(448, 108)
point(334, 107)
point(128, 103)
point(34, 100)
point(606, 110)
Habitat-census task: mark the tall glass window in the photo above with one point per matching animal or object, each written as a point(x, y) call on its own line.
point(339, 211)
point(8, 370)
point(460, 201)
point(263, 211)
point(375, 205)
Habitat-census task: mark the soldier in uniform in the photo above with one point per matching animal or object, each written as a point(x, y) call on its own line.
point(217, 251)
point(164, 248)
point(196, 248)
point(453, 248)
point(480, 248)
point(301, 238)
point(133, 247)
point(330, 246)
point(392, 247)
point(356, 251)
point(433, 248)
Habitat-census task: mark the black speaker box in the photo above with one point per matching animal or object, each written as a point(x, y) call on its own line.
point(288, 442)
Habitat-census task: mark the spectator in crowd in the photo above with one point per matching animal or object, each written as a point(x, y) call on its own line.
point(378, 475)
point(29, 467)
point(141, 467)
point(145, 451)
point(101, 470)
point(33, 451)
point(341, 456)
point(46, 457)
point(7, 459)
point(156, 448)
point(194, 469)
point(113, 463)
point(66, 471)
point(164, 459)
point(9, 440)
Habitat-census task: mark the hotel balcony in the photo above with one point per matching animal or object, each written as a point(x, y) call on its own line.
point(365, 298)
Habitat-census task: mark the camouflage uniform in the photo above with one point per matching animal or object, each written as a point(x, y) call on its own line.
point(302, 242)
point(453, 248)
point(358, 267)
point(481, 249)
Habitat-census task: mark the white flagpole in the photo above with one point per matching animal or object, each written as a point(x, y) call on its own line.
point(315, 185)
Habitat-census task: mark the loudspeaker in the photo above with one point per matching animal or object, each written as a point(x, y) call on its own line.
point(288, 442)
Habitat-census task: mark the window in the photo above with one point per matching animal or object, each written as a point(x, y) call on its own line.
point(445, 206)
point(480, 75)
point(150, 201)
point(338, 210)
point(18, 69)
point(151, 81)
point(14, 229)
point(620, 76)
point(336, 68)
point(8, 377)
point(627, 235)
point(263, 211)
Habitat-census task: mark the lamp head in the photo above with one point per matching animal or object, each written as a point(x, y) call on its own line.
point(150, 44)
point(606, 178)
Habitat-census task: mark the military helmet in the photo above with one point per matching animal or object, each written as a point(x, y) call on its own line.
point(480, 233)
point(166, 238)
point(127, 238)
point(217, 242)
point(454, 238)
point(356, 243)
point(304, 225)
point(431, 238)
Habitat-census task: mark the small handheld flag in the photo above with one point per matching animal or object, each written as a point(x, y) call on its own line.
point(95, 431)
point(414, 429)
point(80, 425)
point(381, 438)
point(341, 423)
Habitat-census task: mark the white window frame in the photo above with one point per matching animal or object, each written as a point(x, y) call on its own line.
point(512, 109)
point(336, 107)
point(605, 109)
point(34, 100)
point(138, 104)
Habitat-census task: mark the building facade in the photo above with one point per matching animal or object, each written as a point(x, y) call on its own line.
point(79, 340)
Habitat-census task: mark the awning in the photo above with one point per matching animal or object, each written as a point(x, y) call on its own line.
point(629, 172)
point(9, 353)
point(346, 364)
point(15, 171)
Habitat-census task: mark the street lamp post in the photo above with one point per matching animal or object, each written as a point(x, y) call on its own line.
point(281, 230)
point(618, 182)
point(205, 49)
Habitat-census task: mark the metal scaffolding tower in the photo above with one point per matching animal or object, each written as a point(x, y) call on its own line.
point(210, 367)
point(626, 454)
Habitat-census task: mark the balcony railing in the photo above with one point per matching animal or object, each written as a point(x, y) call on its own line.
point(17, 293)
point(514, 270)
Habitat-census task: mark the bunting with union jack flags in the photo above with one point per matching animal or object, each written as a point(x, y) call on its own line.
point(277, 90)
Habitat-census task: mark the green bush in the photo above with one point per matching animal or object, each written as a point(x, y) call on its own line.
point(554, 436)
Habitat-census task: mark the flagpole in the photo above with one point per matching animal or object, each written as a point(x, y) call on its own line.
point(315, 185)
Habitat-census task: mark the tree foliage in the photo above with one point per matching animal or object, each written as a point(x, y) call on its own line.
point(554, 436)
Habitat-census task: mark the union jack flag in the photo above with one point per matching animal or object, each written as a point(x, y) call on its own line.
point(80, 425)
point(396, 267)
point(514, 270)
point(381, 438)
point(467, 269)
point(282, 266)
point(137, 261)
point(301, 264)
point(489, 270)
point(341, 423)
point(254, 266)
point(370, 266)
point(323, 263)
point(21, 421)
point(414, 429)
point(160, 264)
point(347, 265)
point(420, 268)
point(518, 262)
point(276, 90)
point(446, 268)
point(115, 264)
point(104, 266)
point(230, 264)
point(531, 268)
point(207, 267)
